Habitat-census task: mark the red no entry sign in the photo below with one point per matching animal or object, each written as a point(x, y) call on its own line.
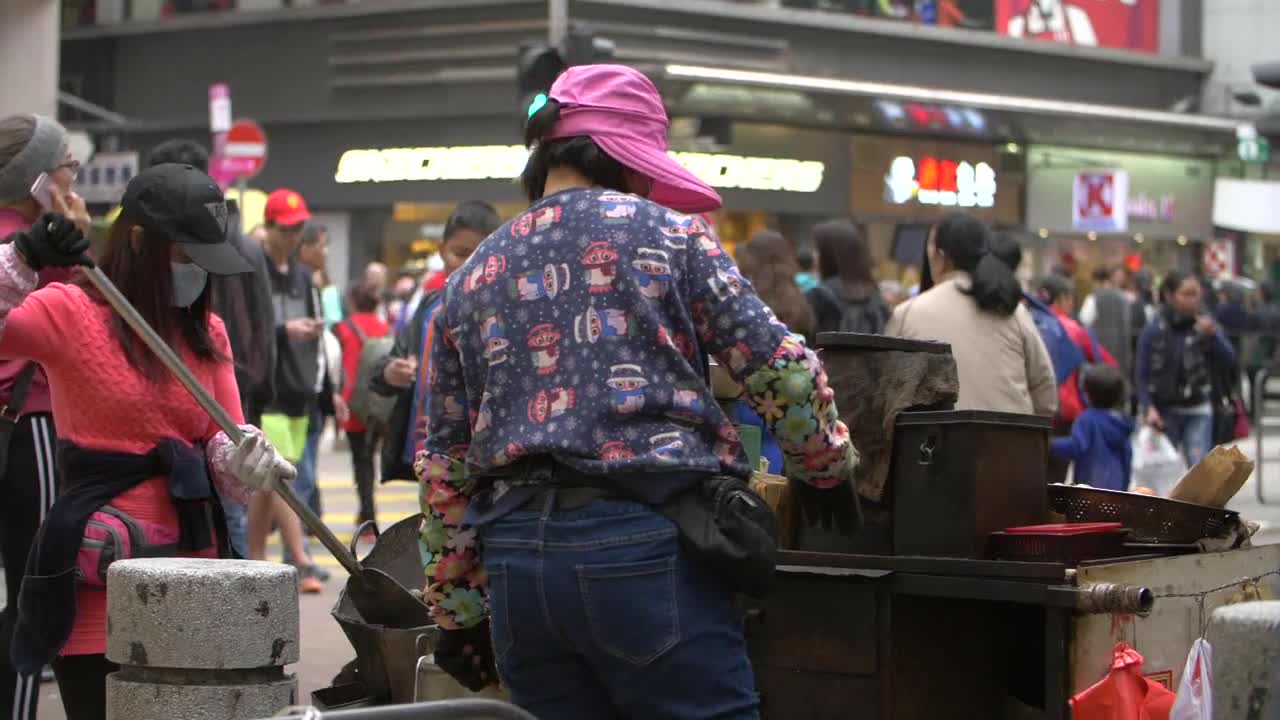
point(245, 151)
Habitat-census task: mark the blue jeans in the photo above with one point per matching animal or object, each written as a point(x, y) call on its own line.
point(237, 516)
point(597, 613)
point(307, 485)
point(1192, 434)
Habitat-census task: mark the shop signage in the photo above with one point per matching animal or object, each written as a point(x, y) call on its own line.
point(504, 162)
point(1126, 24)
point(1219, 258)
point(1145, 208)
point(1100, 201)
point(1254, 150)
point(934, 181)
point(103, 179)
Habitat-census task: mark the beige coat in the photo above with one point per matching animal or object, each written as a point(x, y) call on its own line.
point(1002, 362)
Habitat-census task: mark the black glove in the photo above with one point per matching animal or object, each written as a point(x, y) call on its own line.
point(837, 507)
point(53, 241)
point(467, 655)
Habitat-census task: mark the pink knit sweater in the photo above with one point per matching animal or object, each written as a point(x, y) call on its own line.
point(101, 401)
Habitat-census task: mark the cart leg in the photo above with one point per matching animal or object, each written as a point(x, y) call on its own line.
point(1056, 662)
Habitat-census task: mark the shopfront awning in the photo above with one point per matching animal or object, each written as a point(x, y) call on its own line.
point(883, 107)
point(1247, 205)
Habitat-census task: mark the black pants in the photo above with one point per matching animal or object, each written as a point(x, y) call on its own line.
point(82, 682)
point(28, 488)
point(362, 454)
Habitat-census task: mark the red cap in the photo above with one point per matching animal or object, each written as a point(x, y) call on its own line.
point(286, 207)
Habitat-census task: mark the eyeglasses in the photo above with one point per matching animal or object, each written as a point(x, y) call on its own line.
point(72, 165)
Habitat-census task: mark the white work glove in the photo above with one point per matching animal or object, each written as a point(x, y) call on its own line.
point(256, 463)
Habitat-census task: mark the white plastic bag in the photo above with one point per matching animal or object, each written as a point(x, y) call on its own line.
point(1195, 691)
point(1157, 464)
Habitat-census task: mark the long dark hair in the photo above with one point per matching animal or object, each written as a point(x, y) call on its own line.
point(146, 280)
point(579, 152)
point(769, 262)
point(966, 240)
point(843, 253)
point(1172, 281)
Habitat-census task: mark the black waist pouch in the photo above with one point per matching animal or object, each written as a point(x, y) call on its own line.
point(730, 530)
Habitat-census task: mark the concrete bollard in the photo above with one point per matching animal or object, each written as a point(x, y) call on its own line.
point(200, 639)
point(1246, 661)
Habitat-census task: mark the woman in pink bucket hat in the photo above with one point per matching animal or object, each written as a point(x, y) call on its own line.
point(573, 438)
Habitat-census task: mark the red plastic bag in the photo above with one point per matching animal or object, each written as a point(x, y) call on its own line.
point(1124, 694)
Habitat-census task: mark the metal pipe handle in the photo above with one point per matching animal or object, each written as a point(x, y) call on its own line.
point(1105, 598)
point(219, 414)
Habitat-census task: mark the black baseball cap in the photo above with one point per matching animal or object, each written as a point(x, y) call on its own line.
point(188, 205)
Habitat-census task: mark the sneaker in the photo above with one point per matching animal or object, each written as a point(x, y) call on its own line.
point(320, 573)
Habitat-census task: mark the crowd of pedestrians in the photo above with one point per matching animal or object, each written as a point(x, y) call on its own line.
point(471, 365)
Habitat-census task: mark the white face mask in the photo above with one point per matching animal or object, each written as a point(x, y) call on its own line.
point(189, 280)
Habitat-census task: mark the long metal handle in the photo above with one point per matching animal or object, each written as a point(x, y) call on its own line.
point(220, 416)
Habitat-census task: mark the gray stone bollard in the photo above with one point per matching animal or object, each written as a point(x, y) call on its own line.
point(200, 639)
point(1246, 661)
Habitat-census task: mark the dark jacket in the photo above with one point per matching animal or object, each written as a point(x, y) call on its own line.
point(91, 479)
point(1113, 326)
point(836, 310)
point(1099, 448)
point(1175, 364)
point(244, 304)
point(297, 366)
point(408, 344)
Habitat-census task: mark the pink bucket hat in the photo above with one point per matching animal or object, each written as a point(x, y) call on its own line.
point(620, 109)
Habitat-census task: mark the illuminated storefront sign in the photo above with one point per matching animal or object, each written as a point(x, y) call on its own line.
point(940, 182)
point(504, 162)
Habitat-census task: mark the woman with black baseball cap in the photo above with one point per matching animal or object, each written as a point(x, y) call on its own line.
point(138, 455)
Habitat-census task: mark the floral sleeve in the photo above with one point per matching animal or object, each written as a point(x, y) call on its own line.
point(791, 394)
point(455, 588)
point(784, 379)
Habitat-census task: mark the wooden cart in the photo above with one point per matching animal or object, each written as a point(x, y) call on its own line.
point(910, 638)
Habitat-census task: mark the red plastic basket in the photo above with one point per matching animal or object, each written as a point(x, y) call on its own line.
point(1066, 543)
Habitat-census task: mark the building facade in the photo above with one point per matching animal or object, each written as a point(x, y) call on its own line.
point(386, 113)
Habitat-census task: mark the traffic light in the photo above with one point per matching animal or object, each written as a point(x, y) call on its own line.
point(1267, 74)
point(539, 64)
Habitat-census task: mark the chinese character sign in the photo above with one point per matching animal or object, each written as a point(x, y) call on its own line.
point(935, 181)
point(1100, 201)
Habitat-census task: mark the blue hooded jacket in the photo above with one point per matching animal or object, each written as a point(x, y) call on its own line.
point(1065, 355)
point(1099, 448)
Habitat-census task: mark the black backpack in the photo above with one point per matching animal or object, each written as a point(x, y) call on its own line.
point(865, 316)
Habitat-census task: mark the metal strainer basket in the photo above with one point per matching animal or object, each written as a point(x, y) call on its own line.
point(1152, 519)
point(387, 657)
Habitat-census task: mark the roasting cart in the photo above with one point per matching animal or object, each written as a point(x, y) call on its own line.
point(922, 615)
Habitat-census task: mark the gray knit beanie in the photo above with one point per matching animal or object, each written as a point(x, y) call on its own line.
point(45, 151)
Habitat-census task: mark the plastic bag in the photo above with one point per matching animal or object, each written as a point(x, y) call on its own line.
point(1157, 464)
point(1124, 694)
point(1195, 691)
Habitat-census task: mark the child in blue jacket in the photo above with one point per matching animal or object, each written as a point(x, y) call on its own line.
point(1098, 446)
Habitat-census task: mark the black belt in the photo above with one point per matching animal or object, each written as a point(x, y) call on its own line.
point(565, 498)
point(571, 488)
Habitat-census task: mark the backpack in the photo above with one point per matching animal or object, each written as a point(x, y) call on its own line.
point(372, 409)
point(867, 316)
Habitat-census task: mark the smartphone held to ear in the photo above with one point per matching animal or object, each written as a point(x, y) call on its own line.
point(42, 191)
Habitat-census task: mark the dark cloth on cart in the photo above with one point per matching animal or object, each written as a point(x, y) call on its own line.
point(873, 388)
